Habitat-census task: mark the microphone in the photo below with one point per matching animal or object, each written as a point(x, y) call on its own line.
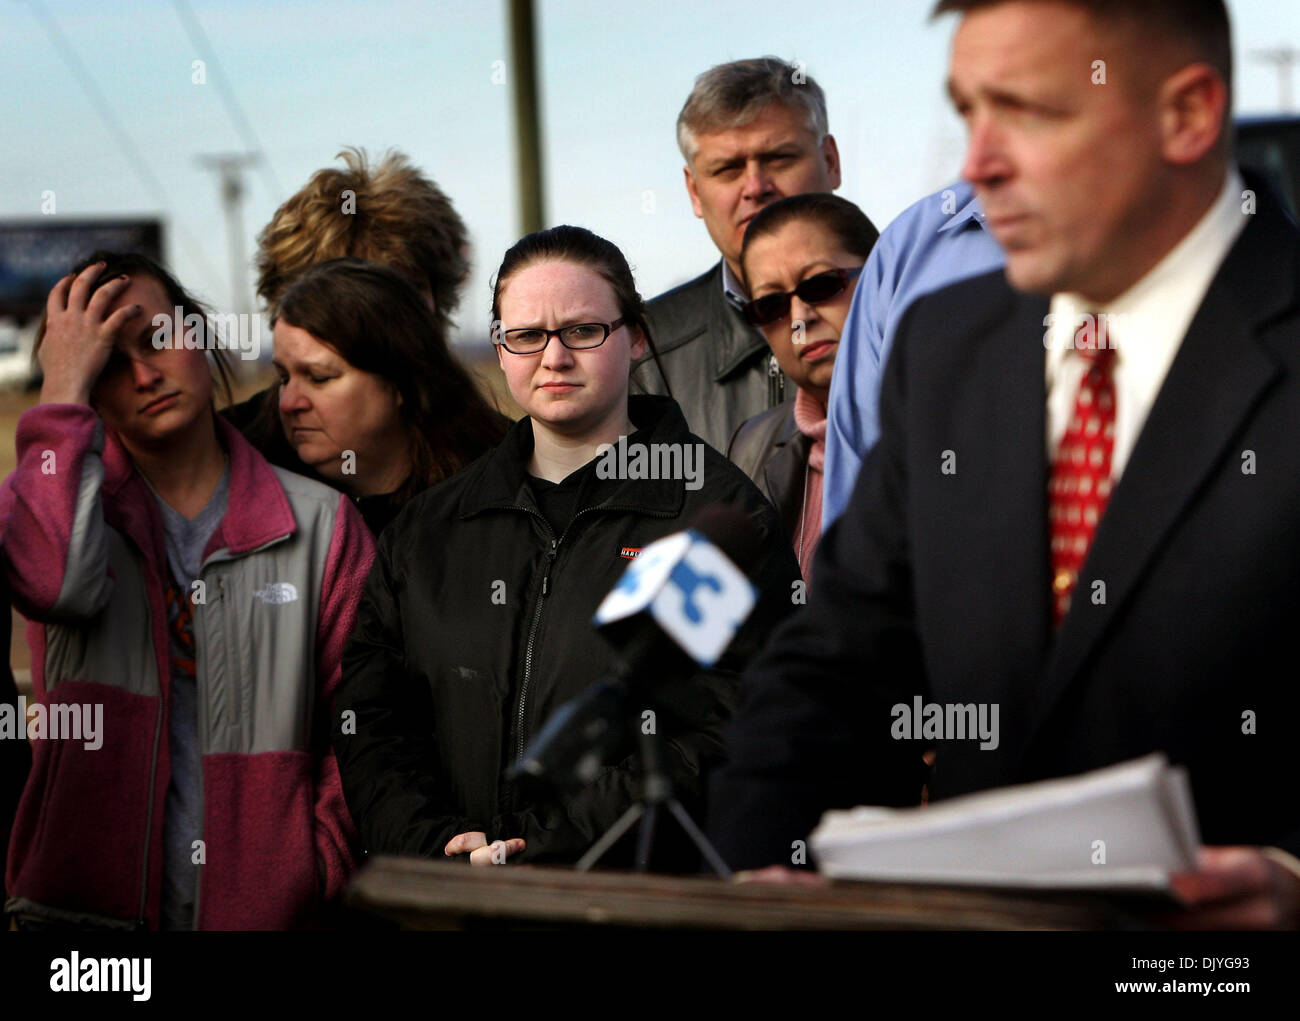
point(677, 607)
point(691, 586)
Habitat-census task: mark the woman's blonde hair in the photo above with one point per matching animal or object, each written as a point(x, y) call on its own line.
point(390, 214)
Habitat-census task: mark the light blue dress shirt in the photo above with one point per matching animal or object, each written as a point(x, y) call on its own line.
point(933, 243)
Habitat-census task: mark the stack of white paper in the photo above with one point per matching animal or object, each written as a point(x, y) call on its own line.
point(1123, 827)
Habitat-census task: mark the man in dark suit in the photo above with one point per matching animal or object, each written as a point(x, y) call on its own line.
point(751, 132)
point(1099, 539)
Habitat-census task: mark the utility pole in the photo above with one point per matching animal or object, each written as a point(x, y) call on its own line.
point(1284, 58)
point(523, 50)
point(230, 169)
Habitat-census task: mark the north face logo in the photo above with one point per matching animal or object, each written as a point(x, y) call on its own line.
point(277, 592)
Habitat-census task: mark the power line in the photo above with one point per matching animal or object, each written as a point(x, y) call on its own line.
point(123, 138)
point(1284, 58)
point(203, 44)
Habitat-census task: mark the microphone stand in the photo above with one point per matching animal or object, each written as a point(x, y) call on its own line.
point(656, 793)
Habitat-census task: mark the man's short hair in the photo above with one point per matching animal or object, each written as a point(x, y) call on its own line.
point(731, 95)
point(394, 216)
point(1203, 24)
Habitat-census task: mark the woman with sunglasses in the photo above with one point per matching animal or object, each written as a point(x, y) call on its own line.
point(801, 259)
point(476, 622)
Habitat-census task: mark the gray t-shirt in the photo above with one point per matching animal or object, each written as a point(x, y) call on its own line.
point(186, 539)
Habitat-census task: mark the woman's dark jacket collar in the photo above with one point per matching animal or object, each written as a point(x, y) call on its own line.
point(502, 480)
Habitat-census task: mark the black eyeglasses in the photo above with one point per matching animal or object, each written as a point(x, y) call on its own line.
point(772, 308)
point(578, 337)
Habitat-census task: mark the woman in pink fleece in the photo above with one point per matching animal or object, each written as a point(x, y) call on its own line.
point(190, 604)
point(801, 259)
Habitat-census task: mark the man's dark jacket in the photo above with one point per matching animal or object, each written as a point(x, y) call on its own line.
point(475, 626)
point(718, 366)
point(1181, 636)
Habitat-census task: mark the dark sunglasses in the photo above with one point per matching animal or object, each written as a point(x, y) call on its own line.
point(772, 308)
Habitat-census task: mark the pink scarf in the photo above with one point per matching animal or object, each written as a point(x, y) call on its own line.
point(810, 418)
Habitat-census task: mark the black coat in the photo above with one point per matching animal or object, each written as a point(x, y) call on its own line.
point(448, 683)
point(720, 368)
point(936, 583)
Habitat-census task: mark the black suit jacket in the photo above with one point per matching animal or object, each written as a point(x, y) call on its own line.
point(937, 584)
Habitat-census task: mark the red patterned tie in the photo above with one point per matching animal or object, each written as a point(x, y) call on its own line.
point(1080, 481)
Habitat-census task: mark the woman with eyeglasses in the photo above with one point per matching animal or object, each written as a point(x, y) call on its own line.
point(801, 259)
point(476, 622)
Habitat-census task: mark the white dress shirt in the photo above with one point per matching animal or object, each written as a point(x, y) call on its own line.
point(1146, 325)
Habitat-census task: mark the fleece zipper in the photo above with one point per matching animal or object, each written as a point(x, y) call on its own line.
point(163, 685)
point(230, 640)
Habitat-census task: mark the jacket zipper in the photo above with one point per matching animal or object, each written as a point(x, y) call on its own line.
point(532, 636)
point(153, 784)
point(537, 608)
point(200, 696)
point(537, 618)
point(775, 383)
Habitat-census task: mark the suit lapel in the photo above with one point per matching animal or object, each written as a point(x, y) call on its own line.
point(1216, 380)
point(1015, 555)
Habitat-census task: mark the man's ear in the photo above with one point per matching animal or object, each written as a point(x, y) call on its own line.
point(1193, 102)
point(831, 154)
point(690, 190)
point(639, 344)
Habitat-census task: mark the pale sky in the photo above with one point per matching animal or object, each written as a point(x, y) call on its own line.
point(315, 75)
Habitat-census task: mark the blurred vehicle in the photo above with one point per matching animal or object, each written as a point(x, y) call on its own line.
point(34, 254)
point(1271, 145)
point(17, 369)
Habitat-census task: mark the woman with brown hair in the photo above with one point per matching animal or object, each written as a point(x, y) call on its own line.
point(371, 398)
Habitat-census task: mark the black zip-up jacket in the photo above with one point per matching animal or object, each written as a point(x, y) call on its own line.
point(476, 625)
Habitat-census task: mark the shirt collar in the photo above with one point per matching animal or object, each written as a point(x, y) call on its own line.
point(1159, 307)
point(732, 289)
point(971, 212)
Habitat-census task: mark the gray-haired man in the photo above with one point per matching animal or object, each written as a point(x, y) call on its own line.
point(752, 132)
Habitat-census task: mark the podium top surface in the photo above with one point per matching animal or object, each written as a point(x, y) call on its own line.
point(419, 893)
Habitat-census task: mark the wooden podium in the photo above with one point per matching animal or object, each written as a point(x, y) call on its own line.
point(419, 894)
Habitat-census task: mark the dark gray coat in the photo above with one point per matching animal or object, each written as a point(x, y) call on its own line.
point(719, 367)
